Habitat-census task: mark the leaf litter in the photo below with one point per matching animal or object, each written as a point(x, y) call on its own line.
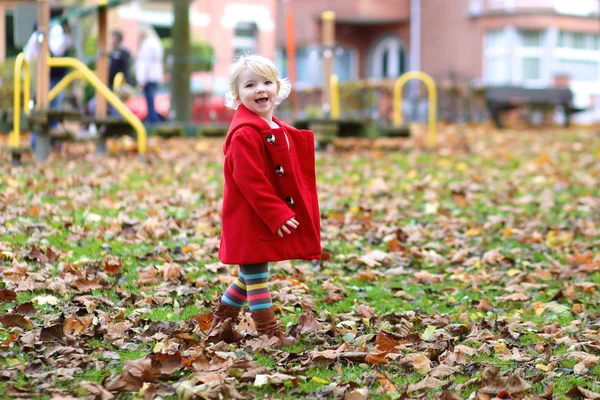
point(468, 272)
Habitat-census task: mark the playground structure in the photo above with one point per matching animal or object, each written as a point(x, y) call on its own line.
point(41, 114)
point(330, 123)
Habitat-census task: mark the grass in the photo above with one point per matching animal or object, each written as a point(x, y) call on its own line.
point(168, 212)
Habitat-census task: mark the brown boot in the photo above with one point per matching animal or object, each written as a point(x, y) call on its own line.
point(222, 313)
point(266, 324)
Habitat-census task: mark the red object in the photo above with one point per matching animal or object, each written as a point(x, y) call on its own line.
point(137, 105)
point(266, 184)
point(206, 108)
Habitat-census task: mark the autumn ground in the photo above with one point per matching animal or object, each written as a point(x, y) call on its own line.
point(471, 271)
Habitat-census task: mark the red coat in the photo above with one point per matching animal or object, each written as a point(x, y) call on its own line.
point(266, 184)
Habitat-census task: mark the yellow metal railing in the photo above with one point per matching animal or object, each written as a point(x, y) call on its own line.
point(73, 75)
point(20, 65)
point(432, 93)
point(334, 89)
point(81, 71)
point(118, 81)
point(64, 82)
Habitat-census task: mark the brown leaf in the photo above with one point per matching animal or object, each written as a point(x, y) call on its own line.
point(426, 384)
point(377, 356)
point(222, 333)
point(148, 276)
point(421, 364)
point(168, 363)
point(204, 320)
point(37, 254)
point(87, 285)
point(25, 309)
point(133, 376)
point(9, 320)
point(386, 383)
point(366, 275)
point(365, 311)
point(307, 322)
point(7, 295)
point(394, 245)
point(577, 392)
point(53, 333)
point(172, 272)
point(460, 198)
point(386, 341)
point(112, 265)
point(97, 391)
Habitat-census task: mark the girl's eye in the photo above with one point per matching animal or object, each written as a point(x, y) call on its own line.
point(268, 83)
point(249, 85)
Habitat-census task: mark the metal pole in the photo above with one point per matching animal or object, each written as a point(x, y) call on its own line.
point(328, 40)
point(291, 54)
point(415, 52)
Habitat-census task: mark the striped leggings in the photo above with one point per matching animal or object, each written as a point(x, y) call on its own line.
point(251, 285)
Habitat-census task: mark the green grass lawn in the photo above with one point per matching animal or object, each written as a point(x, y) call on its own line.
point(441, 266)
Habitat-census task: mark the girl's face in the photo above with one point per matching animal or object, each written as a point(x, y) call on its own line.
point(257, 94)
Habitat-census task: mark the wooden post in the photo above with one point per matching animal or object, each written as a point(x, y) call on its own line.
point(102, 63)
point(42, 140)
point(2, 33)
point(291, 54)
point(328, 41)
point(43, 72)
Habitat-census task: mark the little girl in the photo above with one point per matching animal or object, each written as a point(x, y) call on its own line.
point(270, 209)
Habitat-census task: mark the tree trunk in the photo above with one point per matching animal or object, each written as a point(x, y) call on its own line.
point(180, 75)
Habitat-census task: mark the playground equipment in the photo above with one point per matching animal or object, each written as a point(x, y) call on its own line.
point(42, 114)
point(432, 94)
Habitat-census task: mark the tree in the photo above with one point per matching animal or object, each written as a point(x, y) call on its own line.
point(180, 75)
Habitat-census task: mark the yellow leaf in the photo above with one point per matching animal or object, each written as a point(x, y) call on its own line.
point(45, 299)
point(462, 167)
point(473, 232)
point(7, 254)
point(12, 361)
point(411, 174)
point(539, 308)
point(319, 380)
point(501, 348)
point(544, 367)
point(507, 232)
point(513, 272)
point(444, 163)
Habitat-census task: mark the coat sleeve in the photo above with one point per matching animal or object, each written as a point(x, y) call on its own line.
point(249, 175)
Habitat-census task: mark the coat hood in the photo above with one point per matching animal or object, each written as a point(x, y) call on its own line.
point(246, 118)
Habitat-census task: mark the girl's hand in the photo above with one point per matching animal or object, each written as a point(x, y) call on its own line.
point(292, 223)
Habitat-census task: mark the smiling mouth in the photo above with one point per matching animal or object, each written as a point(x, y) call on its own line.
point(262, 101)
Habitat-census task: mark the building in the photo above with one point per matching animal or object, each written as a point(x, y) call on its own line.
point(231, 26)
point(532, 43)
point(472, 42)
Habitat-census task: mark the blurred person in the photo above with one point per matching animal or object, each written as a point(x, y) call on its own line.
point(270, 210)
point(119, 58)
point(149, 68)
point(60, 44)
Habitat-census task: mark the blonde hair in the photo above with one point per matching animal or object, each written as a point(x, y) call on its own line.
point(261, 66)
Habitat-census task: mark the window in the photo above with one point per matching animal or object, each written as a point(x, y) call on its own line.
point(578, 57)
point(531, 68)
point(529, 55)
point(309, 65)
point(387, 58)
point(579, 70)
point(245, 38)
point(578, 40)
point(495, 39)
point(531, 38)
point(497, 70)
